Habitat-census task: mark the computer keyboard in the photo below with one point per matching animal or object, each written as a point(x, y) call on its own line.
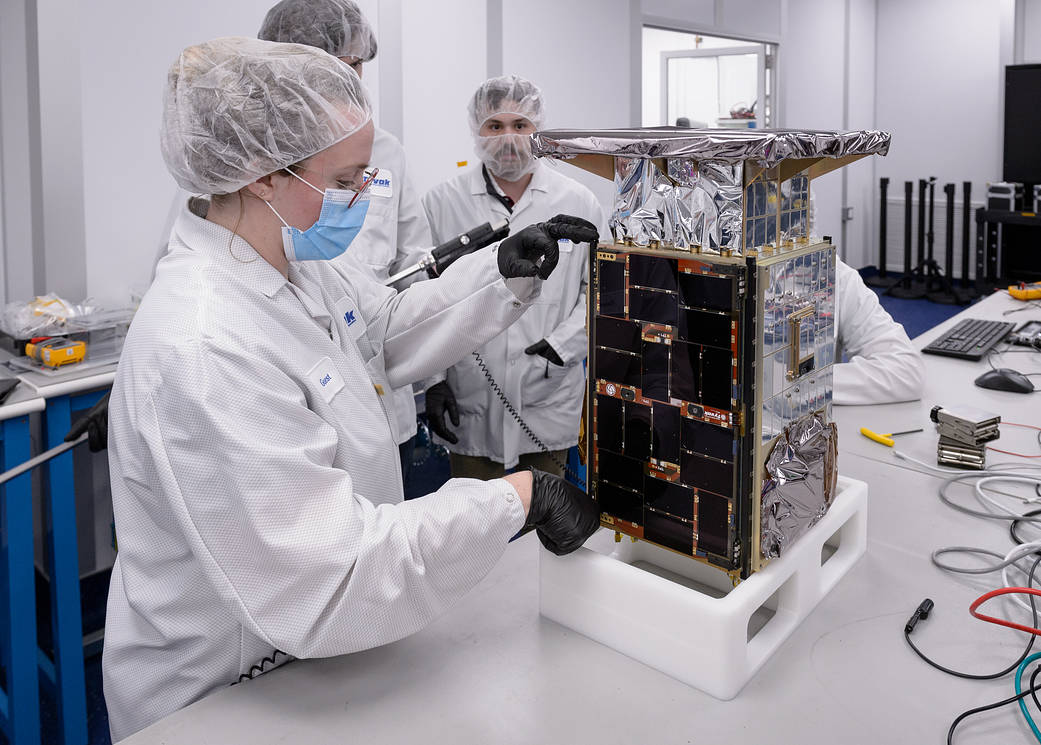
point(971, 339)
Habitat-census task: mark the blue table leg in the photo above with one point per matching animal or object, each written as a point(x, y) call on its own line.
point(23, 704)
point(63, 562)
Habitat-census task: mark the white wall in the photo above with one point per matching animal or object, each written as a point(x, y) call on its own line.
point(19, 150)
point(811, 86)
point(940, 92)
point(582, 86)
point(61, 148)
point(3, 253)
point(101, 118)
point(756, 20)
point(827, 81)
point(444, 59)
point(1030, 34)
point(125, 51)
point(860, 247)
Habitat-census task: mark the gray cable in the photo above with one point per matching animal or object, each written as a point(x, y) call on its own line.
point(972, 550)
point(978, 513)
point(1003, 562)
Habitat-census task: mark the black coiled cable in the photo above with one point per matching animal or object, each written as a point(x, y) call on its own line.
point(261, 667)
point(524, 425)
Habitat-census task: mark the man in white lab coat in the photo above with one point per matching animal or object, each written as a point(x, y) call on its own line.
point(537, 362)
point(255, 479)
point(884, 367)
point(395, 233)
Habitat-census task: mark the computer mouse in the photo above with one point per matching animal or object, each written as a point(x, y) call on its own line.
point(1005, 379)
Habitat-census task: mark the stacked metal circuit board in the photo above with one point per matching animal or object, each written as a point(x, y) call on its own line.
point(712, 337)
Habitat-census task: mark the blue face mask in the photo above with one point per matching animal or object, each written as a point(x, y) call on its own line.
point(341, 219)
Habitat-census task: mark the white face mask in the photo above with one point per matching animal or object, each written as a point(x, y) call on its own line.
point(507, 156)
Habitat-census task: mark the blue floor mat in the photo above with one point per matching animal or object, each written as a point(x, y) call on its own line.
point(916, 316)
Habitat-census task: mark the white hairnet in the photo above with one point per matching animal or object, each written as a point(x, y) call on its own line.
point(236, 109)
point(508, 94)
point(337, 26)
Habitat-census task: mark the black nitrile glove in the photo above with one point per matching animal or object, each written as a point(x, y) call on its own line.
point(95, 424)
point(543, 349)
point(519, 254)
point(563, 515)
point(440, 400)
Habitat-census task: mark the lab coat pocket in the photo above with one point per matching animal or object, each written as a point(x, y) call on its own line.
point(375, 245)
point(542, 380)
point(379, 207)
point(469, 384)
point(555, 289)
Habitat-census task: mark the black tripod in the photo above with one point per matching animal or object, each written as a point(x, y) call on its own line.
point(968, 289)
point(918, 282)
point(883, 278)
point(948, 294)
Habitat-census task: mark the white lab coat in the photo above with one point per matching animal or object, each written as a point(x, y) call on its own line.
point(883, 365)
point(548, 396)
point(255, 473)
point(394, 236)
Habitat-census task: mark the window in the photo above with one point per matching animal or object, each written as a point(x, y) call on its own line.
point(708, 81)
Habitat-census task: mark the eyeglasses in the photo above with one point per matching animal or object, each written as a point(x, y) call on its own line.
point(370, 176)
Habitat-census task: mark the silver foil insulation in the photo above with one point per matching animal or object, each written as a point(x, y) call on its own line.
point(709, 190)
point(800, 483)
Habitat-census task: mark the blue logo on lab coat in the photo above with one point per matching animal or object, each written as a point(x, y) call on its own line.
point(349, 317)
point(326, 380)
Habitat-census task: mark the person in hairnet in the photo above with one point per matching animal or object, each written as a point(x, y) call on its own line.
point(537, 362)
point(395, 234)
point(254, 464)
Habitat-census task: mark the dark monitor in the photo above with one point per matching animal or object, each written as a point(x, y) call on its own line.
point(1022, 157)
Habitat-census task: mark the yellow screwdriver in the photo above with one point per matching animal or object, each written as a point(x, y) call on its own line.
point(886, 439)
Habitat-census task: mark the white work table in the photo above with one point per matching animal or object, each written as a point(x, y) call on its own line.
point(493, 671)
point(22, 400)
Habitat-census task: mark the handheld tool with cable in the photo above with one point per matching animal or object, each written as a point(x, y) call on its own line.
point(437, 259)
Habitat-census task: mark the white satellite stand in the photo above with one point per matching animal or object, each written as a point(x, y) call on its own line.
point(682, 617)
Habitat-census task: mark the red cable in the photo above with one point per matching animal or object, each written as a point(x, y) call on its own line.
point(1009, 452)
point(1001, 621)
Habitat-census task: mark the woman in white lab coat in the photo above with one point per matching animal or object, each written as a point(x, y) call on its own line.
point(538, 361)
point(254, 465)
point(395, 234)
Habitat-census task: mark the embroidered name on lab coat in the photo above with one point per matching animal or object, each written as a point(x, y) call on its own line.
point(383, 186)
point(325, 379)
